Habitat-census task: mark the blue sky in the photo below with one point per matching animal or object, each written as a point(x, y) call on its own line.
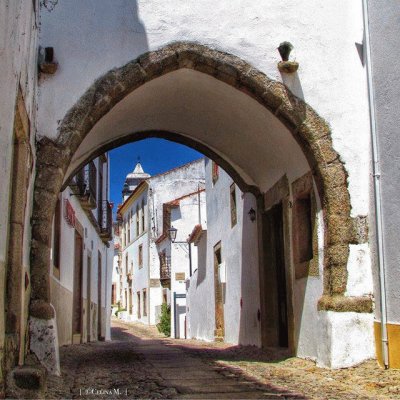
point(156, 156)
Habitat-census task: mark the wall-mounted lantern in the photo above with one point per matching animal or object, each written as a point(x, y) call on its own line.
point(172, 234)
point(47, 64)
point(252, 214)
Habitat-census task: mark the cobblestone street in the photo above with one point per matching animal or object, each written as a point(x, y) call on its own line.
point(141, 363)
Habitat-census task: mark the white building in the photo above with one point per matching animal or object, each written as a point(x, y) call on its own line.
point(142, 224)
point(82, 256)
point(223, 301)
point(176, 254)
point(116, 288)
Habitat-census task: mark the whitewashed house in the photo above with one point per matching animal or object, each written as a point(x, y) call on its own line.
point(176, 255)
point(142, 225)
point(116, 286)
point(223, 301)
point(82, 256)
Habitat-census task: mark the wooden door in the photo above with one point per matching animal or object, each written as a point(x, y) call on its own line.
point(275, 319)
point(77, 291)
point(218, 291)
point(99, 297)
point(88, 300)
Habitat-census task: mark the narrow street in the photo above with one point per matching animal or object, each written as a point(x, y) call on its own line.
point(141, 363)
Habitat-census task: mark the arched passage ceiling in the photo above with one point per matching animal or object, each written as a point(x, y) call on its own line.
point(197, 106)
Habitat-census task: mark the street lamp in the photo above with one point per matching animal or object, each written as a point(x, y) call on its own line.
point(172, 237)
point(172, 234)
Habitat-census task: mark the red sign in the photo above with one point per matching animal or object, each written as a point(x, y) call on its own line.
point(69, 213)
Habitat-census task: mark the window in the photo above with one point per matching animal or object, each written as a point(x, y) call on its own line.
point(143, 224)
point(126, 265)
point(215, 172)
point(100, 195)
point(137, 221)
point(140, 256)
point(304, 230)
point(129, 230)
point(138, 305)
point(144, 302)
point(303, 233)
point(233, 205)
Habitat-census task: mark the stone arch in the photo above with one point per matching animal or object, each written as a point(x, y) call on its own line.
point(310, 131)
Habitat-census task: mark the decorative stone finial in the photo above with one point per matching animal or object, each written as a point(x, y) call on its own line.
point(284, 50)
point(285, 65)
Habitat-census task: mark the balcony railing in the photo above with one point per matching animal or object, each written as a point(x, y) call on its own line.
point(105, 220)
point(84, 186)
point(165, 270)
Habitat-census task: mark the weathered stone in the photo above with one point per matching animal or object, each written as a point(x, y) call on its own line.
point(323, 150)
point(359, 230)
point(29, 378)
point(256, 85)
point(345, 304)
point(50, 153)
point(292, 109)
point(337, 201)
point(41, 232)
point(276, 193)
point(338, 254)
point(334, 175)
point(44, 343)
point(337, 278)
point(44, 204)
point(49, 178)
point(40, 257)
point(131, 76)
point(156, 63)
point(42, 310)
point(273, 94)
point(338, 229)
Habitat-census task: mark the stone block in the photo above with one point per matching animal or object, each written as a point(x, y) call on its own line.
point(338, 254)
point(44, 343)
point(156, 63)
point(29, 378)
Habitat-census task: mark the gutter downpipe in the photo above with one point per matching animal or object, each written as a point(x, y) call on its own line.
point(377, 188)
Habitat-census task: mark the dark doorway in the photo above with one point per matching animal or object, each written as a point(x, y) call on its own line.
point(274, 300)
point(88, 305)
point(218, 290)
point(99, 285)
point(77, 304)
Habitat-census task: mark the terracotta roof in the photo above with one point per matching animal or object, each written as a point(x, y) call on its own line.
point(175, 202)
point(196, 233)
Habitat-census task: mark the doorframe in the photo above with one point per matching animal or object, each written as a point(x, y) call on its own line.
point(88, 297)
point(78, 231)
point(278, 193)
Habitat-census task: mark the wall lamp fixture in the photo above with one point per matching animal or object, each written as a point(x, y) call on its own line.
point(252, 214)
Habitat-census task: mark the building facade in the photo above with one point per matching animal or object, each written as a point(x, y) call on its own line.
point(82, 256)
point(222, 301)
point(142, 228)
point(178, 258)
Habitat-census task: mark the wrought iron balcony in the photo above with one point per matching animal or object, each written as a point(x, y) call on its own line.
point(105, 221)
point(165, 270)
point(84, 186)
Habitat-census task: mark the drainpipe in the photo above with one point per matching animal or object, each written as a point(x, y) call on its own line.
point(377, 189)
